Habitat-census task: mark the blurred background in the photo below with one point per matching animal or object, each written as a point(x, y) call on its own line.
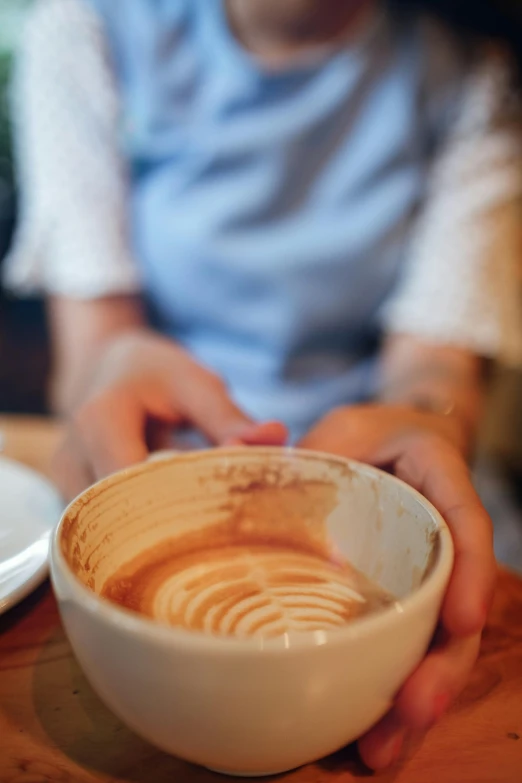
point(25, 359)
point(24, 355)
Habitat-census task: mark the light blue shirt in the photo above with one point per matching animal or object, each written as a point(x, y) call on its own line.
point(271, 211)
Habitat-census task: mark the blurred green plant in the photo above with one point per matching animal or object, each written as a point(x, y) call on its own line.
point(6, 169)
point(11, 16)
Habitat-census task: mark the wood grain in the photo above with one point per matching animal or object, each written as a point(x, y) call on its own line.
point(54, 728)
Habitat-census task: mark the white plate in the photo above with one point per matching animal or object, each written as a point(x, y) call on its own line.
point(29, 508)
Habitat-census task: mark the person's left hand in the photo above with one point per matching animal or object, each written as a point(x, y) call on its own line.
point(425, 450)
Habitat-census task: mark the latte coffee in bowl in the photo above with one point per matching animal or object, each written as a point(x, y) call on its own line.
point(250, 575)
point(250, 609)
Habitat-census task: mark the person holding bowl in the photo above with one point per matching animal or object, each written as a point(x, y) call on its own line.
point(275, 222)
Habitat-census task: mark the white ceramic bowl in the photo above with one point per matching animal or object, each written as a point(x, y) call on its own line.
point(250, 705)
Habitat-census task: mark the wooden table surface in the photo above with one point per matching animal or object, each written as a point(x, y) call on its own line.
point(54, 728)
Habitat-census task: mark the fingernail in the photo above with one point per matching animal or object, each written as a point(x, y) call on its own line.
point(391, 751)
point(440, 705)
point(396, 749)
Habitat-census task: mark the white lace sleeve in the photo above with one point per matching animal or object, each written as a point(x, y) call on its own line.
point(461, 285)
point(72, 234)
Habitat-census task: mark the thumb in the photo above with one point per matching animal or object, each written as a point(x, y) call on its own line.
point(346, 432)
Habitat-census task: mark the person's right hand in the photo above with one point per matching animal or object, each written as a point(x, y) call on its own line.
point(143, 385)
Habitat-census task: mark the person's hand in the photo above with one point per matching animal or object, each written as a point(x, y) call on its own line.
point(422, 449)
point(142, 388)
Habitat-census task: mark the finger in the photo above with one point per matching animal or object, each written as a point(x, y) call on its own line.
point(205, 401)
point(471, 588)
point(422, 701)
point(438, 471)
point(438, 680)
point(345, 434)
point(381, 746)
point(69, 470)
point(111, 430)
point(355, 433)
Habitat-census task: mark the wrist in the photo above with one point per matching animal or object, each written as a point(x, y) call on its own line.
point(448, 416)
point(444, 383)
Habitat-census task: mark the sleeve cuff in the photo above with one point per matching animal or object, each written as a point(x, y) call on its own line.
point(97, 269)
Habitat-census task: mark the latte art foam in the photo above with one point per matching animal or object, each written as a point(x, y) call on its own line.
point(245, 591)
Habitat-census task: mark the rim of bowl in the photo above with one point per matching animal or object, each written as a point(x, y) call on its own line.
point(139, 625)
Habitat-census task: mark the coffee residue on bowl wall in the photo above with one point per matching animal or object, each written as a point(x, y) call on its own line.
point(266, 570)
